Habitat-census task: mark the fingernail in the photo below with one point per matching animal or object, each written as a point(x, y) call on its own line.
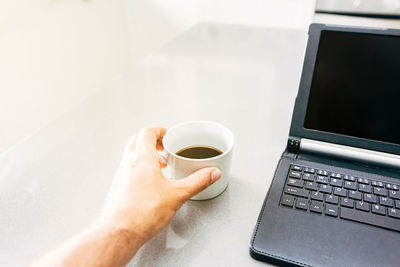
point(215, 175)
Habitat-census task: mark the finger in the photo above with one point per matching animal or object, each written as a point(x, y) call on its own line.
point(162, 163)
point(198, 181)
point(160, 145)
point(148, 139)
point(130, 146)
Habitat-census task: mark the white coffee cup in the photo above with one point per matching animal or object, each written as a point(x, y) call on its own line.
point(199, 133)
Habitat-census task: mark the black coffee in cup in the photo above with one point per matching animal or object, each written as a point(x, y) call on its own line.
point(199, 152)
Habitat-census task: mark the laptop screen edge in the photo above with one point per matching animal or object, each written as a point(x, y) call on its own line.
point(299, 112)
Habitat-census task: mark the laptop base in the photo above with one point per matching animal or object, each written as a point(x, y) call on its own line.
point(291, 237)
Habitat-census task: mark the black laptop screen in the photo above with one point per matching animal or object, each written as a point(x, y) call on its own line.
point(355, 89)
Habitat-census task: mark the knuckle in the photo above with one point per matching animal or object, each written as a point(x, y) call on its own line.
point(131, 143)
point(144, 131)
point(147, 130)
point(130, 157)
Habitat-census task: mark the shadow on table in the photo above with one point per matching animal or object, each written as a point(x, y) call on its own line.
point(189, 232)
point(206, 229)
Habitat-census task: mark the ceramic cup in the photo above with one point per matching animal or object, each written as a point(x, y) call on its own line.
point(199, 133)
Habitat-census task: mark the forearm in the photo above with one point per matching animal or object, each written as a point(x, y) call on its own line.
point(100, 245)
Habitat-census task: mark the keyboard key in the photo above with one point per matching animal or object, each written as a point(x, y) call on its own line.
point(355, 195)
point(296, 168)
point(350, 185)
point(362, 206)
point(317, 196)
point(336, 182)
point(349, 178)
point(311, 186)
point(380, 191)
point(347, 202)
point(325, 189)
point(363, 181)
point(370, 218)
point(309, 170)
point(376, 183)
point(370, 198)
point(392, 187)
point(394, 194)
point(296, 191)
point(364, 188)
point(386, 201)
point(331, 199)
point(367, 201)
point(295, 174)
point(340, 192)
point(378, 209)
point(316, 206)
point(295, 182)
point(331, 210)
point(302, 203)
point(395, 213)
point(322, 179)
point(287, 200)
point(308, 177)
point(336, 175)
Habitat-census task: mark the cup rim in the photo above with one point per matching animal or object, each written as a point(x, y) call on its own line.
point(200, 121)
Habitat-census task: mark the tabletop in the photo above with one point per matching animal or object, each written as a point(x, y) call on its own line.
point(54, 183)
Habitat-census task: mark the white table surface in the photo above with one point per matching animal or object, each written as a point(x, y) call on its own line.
point(54, 183)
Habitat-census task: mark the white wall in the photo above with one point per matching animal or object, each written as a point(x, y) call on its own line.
point(54, 53)
point(154, 22)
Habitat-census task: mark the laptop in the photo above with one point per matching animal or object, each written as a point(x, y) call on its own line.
point(334, 198)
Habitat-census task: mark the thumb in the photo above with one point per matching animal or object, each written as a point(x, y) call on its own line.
point(199, 180)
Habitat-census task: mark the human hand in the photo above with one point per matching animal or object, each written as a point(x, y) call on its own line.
point(141, 200)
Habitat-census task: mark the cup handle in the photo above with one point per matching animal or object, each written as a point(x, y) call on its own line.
point(166, 171)
point(163, 154)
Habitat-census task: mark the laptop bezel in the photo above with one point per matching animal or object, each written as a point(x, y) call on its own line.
point(297, 125)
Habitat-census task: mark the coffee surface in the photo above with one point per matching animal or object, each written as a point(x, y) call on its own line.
point(199, 152)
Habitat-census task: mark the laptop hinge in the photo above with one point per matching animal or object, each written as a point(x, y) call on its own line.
point(293, 145)
point(350, 153)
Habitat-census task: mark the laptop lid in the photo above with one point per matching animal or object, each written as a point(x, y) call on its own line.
point(349, 91)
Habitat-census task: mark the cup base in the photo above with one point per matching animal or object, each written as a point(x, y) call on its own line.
point(198, 197)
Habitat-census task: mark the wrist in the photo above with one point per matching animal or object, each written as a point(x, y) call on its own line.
point(126, 239)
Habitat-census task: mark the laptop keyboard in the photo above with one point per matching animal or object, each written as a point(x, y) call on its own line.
point(343, 196)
